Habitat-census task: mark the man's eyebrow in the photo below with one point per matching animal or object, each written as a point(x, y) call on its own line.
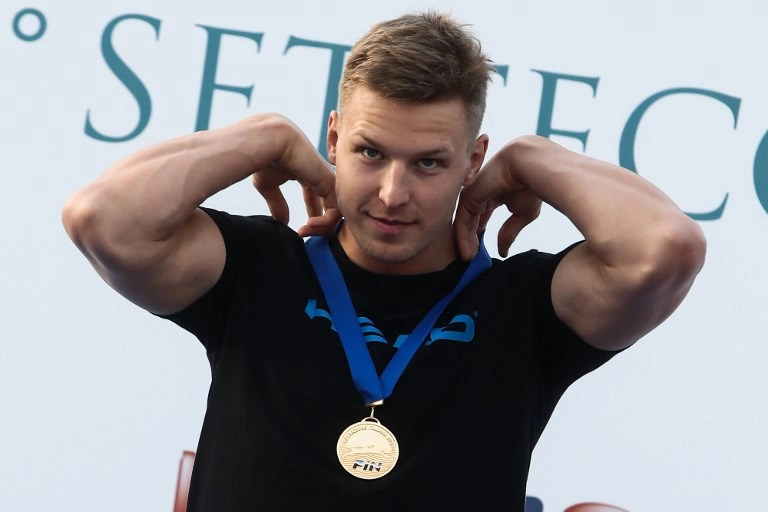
point(437, 151)
point(368, 140)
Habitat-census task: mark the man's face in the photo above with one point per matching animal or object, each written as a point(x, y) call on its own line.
point(399, 170)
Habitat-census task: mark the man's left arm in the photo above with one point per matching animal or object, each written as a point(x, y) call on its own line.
point(641, 252)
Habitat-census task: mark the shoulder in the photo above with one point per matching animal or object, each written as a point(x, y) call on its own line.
point(520, 286)
point(255, 245)
point(253, 233)
point(530, 266)
point(233, 224)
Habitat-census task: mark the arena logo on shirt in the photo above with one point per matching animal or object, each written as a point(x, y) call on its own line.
point(461, 328)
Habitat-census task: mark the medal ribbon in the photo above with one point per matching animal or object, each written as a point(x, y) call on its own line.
point(372, 387)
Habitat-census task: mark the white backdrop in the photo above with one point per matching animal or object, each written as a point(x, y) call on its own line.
point(98, 398)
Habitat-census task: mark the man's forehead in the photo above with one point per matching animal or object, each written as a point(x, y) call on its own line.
point(365, 110)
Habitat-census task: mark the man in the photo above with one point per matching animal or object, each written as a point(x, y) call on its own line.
point(383, 364)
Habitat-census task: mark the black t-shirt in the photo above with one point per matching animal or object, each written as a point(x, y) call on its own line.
point(467, 411)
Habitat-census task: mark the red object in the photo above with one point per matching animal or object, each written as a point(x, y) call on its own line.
point(594, 507)
point(182, 483)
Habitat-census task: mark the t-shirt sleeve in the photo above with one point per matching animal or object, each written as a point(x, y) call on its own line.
point(254, 245)
point(558, 356)
point(562, 356)
point(205, 318)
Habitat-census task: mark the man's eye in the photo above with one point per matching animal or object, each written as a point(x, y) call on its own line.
point(370, 153)
point(428, 163)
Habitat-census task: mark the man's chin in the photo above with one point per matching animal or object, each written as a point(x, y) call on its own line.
point(388, 254)
point(388, 258)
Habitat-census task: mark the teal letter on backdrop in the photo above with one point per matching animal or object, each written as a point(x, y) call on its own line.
point(628, 136)
point(502, 70)
point(332, 84)
point(127, 77)
point(209, 72)
point(548, 89)
point(761, 172)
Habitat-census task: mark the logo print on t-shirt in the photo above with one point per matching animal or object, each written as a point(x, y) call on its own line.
point(460, 328)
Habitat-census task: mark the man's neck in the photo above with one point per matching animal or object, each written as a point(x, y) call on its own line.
point(432, 259)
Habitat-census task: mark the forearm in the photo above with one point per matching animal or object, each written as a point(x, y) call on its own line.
point(624, 218)
point(641, 255)
point(150, 195)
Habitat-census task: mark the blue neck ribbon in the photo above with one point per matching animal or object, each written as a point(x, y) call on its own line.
point(375, 389)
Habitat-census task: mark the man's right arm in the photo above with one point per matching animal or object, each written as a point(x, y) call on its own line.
point(139, 223)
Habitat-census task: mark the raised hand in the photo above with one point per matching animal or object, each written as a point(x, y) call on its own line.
point(495, 185)
point(299, 161)
point(319, 198)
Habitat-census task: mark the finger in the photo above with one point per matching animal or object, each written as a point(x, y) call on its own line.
point(325, 223)
point(511, 228)
point(321, 181)
point(313, 203)
point(321, 225)
point(278, 206)
point(473, 211)
point(482, 222)
point(319, 192)
point(508, 233)
point(465, 233)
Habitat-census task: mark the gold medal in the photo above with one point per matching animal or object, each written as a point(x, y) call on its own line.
point(367, 449)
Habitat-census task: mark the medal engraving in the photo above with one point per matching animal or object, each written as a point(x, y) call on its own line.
point(367, 449)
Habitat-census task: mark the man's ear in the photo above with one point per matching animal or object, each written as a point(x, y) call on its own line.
point(333, 136)
point(476, 159)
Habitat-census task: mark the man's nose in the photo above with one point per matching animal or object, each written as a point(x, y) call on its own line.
point(394, 185)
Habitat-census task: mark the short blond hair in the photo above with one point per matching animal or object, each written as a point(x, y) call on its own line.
point(421, 58)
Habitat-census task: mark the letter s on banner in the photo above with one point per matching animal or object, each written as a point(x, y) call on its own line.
point(127, 77)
